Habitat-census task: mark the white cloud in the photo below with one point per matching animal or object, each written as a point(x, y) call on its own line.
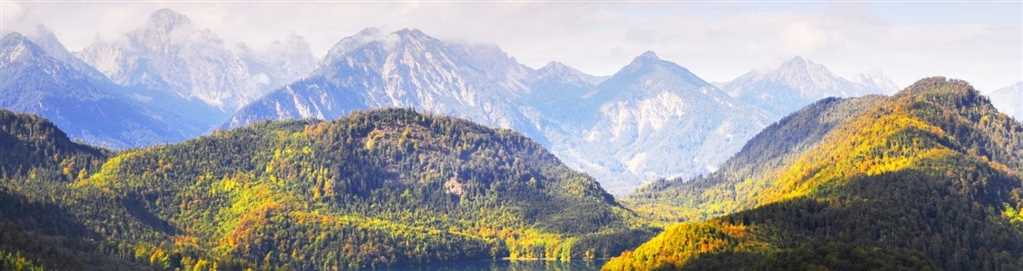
point(10, 13)
point(803, 37)
point(979, 43)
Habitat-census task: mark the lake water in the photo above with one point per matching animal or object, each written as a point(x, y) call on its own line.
point(505, 265)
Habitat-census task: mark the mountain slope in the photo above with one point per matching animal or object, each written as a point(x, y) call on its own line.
point(621, 129)
point(88, 108)
point(556, 87)
point(172, 63)
point(171, 54)
point(403, 69)
point(39, 144)
point(1009, 100)
point(655, 119)
point(374, 189)
point(41, 36)
point(796, 83)
point(37, 157)
point(926, 179)
point(775, 147)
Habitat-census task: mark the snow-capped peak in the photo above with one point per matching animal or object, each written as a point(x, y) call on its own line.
point(170, 55)
point(15, 47)
point(45, 38)
point(413, 49)
point(412, 33)
point(13, 39)
point(42, 37)
point(797, 62)
point(646, 59)
point(556, 67)
point(649, 66)
point(559, 72)
point(351, 43)
point(648, 55)
point(801, 70)
point(559, 69)
point(18, 49)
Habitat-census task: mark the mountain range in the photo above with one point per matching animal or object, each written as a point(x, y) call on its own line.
point(181, 65)
point(624, 129)
point(87, 105)
point(926, 179)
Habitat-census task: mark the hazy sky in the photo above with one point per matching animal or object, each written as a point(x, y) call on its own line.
point(979, 42)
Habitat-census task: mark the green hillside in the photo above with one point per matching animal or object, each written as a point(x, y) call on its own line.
point(38, 163)
point(375, 189)
point(928, 179)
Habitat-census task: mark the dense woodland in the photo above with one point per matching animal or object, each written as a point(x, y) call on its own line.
point(375, 189)
point(928, 179)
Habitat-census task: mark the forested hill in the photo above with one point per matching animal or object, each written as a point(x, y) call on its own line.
point(374, 189)
point(30, 141)
point(928, 179)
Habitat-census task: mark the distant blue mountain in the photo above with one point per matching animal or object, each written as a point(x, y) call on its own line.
point(800, 82)
point(87, 106)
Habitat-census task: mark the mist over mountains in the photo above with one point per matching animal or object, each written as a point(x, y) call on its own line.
point(1009, 100)
point(651, 119)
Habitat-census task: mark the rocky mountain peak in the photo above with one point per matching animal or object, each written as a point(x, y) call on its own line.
point(798, 67)
point(555, 68)
point(411, 33)
point(13, 38)
point(15, 47)
point(648, 68)
point(647, 56)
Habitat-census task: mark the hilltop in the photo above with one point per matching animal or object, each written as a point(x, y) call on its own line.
point(928, 179)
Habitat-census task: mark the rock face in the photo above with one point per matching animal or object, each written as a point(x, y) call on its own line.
point(171, 54)
point(41, 36)
point(175, 61)
point(87, 106)
point(1009, 100)
point(403, 69)
point(650, 114)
